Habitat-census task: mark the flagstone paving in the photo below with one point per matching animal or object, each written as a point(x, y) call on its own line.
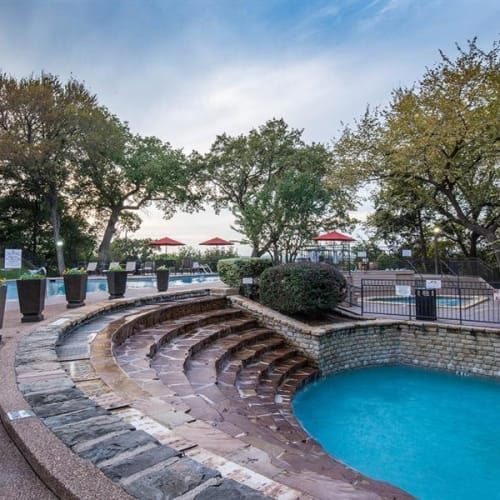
point(186, 399)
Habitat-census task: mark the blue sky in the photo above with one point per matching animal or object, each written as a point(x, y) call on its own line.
point(188, 70)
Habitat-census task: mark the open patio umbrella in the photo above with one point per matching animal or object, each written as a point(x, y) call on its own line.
point(333, 236)
point(340, 245)
point(167, 242)
point(216, 242)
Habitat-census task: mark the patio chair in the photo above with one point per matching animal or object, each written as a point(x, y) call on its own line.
point(112, 264)
point(187, 265)
point(148, 267)
point(130, 266)
point(92, 267)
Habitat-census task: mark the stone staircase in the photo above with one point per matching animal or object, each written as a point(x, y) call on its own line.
point(187, 399)
point(218, 365)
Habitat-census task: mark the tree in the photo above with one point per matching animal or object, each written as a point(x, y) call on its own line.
point(39, 122)
point(121, 173)
point(273, 183)
point(439, 143)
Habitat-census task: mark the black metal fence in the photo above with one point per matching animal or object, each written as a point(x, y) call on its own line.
point(453, 300)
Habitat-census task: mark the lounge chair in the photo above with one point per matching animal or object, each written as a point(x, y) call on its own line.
point(187, 265)
point(92, 267)
point(148, 267)
point(113, 264)
point(130, 267)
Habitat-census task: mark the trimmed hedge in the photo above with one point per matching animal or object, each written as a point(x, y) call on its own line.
point(232, 271)
point(304, 288)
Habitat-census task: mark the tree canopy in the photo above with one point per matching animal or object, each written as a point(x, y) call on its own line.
point(71, 171)
point(437, 144)
point(275, 186)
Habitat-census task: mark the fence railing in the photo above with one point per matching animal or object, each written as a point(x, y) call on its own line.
point(456, 300)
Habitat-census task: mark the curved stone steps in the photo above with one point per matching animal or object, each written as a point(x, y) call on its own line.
point(250, 375)
point(147, 341)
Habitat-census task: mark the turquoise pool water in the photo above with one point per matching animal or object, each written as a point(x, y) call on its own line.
point(435, 435)
point(56, 286)
point(447, 301)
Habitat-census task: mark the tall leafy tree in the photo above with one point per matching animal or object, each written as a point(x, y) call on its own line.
point(274, 185)
point(439, 142)
point(39, 123)
point(121, 173)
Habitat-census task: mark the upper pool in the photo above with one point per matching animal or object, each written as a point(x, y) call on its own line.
point(433, 434)
point(55, 286)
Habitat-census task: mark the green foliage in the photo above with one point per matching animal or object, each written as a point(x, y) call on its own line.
point(116, 269)
point(274, 184)
point(232, 271)
point(125, 249)
point(302, 288)
point(434, 151)
point(29, 276)
point(40, 125)
point(74, 270)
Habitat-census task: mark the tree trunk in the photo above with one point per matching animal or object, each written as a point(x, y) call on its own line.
point(56, 228)
point(108, 234)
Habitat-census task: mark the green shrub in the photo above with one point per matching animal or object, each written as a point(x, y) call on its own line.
point(306, 288)
point(232, 271)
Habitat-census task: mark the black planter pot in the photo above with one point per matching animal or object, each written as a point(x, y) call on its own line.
point(162, 280)
point(31, 294)
point(3, 295)
point(117, 283)
point(75, 287)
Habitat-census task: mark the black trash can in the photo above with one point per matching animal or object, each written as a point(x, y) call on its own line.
point(425, 304)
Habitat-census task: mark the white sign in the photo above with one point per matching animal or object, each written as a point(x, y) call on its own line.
point(496, 295)
point(433, 284)
point(406, 252)
point(247, 281)
point(13, 258)
point(362, 253)
point(403, 290)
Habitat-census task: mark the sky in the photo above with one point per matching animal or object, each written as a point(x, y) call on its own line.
point(188, 70)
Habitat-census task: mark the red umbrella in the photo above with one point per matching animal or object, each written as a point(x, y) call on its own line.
point(340, 248)
point(216, 242)
point(166, 241)
point(333, 236)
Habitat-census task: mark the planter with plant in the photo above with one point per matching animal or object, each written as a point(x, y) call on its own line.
point(75, 287)
point(117, 282)
point(31, 290)
point(3, 296)
point(162, 275)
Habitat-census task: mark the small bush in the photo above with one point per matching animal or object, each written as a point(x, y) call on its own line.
point(302, 288)
point(232, 271)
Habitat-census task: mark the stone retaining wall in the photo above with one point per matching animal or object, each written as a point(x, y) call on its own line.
point(458, 349)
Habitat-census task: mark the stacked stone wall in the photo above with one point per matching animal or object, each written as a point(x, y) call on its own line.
point(466, 350)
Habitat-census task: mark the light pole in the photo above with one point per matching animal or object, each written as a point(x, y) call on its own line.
point(436, 232)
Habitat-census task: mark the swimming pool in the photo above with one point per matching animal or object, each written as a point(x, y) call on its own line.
point(55, 286)
point(441, 300)
point(433, 434)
